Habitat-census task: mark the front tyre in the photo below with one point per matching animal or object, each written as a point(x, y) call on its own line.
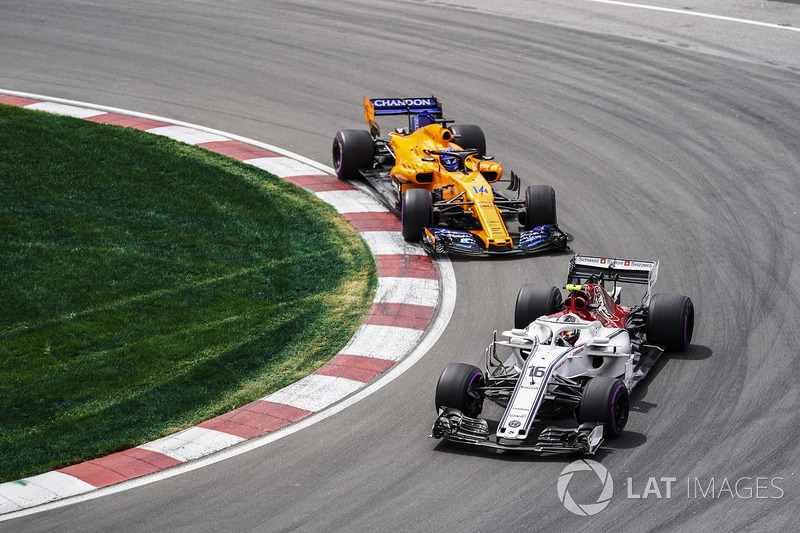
point(351, 151)
point(535, 300)
point(540, 207)
point(605, 401)
point(416, 213)
point(670, 321)
point(469, 137)
point(458, 388)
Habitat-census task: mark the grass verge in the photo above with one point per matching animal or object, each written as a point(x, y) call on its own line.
point(148, 285)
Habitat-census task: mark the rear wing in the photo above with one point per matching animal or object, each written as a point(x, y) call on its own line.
point(399, 106)
point(602, 269)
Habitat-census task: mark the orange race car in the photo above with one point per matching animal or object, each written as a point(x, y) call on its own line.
point(437, 178)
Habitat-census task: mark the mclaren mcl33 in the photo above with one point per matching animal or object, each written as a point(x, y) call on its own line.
point(436, 176)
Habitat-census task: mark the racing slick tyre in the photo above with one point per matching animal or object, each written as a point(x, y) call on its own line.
point(535, 300)
point(352, 150)
point(670, 321)
point(540, 206)
point(416, 213)
point(605, 400)
point(457, 389)
point(469, 136)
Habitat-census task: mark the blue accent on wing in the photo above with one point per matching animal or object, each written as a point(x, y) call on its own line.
point(447, 240)
point(535, 237)
point(402, 106)
point(421, 120)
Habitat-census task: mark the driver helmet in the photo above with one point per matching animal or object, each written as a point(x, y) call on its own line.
point(568, 337)
point(449, 162)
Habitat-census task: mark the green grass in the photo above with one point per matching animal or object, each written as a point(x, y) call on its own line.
point(147, 285)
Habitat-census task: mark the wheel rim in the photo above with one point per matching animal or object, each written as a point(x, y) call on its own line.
point(619, 411)
point(337, 155)
point(688, 323)
point(474, 401)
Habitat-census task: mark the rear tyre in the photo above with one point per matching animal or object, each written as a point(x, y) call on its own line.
point(457, 388)
point(469, 136)
point(535, 300)
point(416, 213)
point(670, 321)
point(352, 150)
point(540, 206)
point(605, 400)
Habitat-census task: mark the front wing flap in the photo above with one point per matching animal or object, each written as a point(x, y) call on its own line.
point(454, 426)
point(539, 239)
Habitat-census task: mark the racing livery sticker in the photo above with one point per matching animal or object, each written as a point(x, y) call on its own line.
point(408, 102)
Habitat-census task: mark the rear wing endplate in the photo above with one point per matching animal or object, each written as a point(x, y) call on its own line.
point(583, 267)
point(399, 106)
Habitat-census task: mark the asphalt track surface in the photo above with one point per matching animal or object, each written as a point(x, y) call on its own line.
point(670, 147)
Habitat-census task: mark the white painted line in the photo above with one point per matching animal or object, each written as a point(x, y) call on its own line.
point(390, 243)
point(697, 14)
point(35, 490)
point(7, 506)
point(64, 109)
point(382, 342)
point(416, 291)
point(315, 392)
point(352, 202)
point(283, 167)
point(187, 135)
point(192, 443)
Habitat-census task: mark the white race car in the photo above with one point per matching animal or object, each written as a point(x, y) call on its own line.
point(581, 355)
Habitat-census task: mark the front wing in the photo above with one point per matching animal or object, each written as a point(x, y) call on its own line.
point(454, 426)
point(539, 239)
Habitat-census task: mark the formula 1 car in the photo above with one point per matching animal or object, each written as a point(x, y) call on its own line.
point(437, 178)
point(581, 355)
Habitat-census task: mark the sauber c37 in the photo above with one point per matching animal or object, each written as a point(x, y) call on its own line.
point(578, 356)
point(437, 178)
